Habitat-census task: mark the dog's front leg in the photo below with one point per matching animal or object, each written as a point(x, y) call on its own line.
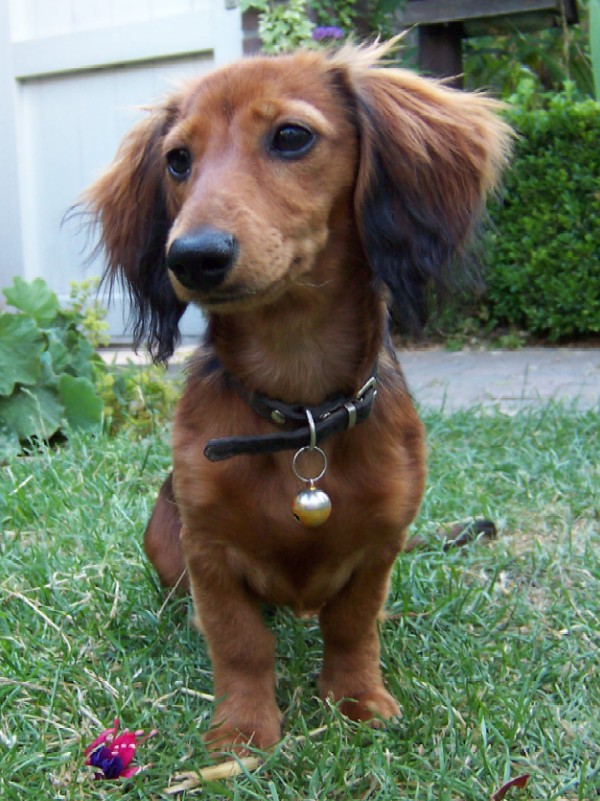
point(351, 672)
point(242, 652)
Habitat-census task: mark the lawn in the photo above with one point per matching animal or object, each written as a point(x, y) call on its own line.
point(492, 651)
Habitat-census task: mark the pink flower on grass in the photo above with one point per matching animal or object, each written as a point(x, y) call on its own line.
point(110, 754)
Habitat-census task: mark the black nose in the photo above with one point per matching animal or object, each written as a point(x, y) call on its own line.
point(201, 259)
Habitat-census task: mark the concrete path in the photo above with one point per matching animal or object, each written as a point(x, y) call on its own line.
point(506, 380)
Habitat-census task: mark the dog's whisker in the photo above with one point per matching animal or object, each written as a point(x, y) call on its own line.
point(311, 284)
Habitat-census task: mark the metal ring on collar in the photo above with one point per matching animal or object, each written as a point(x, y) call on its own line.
point(299, 475)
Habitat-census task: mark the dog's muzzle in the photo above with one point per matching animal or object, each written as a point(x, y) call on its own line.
point(202, 259)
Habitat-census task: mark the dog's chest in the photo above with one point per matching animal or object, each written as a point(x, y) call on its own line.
point(303, 577)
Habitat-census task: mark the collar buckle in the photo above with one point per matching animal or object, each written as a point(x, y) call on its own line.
point(370, 384)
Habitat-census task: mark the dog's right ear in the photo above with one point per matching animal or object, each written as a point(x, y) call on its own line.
point(129, 205)
point(429, 157)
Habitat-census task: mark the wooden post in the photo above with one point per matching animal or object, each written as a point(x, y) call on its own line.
point(440, 51)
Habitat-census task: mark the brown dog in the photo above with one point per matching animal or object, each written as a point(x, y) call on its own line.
point(293, 198)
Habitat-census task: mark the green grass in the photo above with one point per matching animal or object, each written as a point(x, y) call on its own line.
point(492, 651)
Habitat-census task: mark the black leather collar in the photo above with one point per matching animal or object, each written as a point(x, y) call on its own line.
point(337, 413)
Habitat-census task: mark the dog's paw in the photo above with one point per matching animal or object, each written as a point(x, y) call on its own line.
point(233, 731)
point(373, 706)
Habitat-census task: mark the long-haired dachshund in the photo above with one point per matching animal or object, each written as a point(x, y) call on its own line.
point(295, 199)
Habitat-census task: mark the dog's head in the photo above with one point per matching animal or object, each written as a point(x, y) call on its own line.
point(231, 192)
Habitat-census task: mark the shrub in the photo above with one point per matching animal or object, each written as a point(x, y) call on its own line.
point(47, 366)
point(501, 62)
point(281, 26)
point(52, 379)
point(140, 398)
point(543, 254)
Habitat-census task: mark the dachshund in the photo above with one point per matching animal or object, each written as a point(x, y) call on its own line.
point(295, 199)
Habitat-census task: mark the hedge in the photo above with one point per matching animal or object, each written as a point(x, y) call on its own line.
point(543, 252)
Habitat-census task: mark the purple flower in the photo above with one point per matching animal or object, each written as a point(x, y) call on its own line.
point(110, 753)
point(327, 32)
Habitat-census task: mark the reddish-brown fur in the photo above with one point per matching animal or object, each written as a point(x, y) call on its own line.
point(376, 210)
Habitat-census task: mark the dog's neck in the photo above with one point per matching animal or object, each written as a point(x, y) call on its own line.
point(311, 343)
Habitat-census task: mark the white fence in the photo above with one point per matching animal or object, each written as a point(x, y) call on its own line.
point(72, 76)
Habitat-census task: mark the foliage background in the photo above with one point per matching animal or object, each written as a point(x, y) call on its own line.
point(52, 380)
point(543, 252)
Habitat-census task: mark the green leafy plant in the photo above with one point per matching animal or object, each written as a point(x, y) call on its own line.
point(137, 397)
point(543, 254)
point(281, 26)
point(285, 25)
point(47, 366)
point(340, 13)
point(52, 379)
point(90, 313)
point(548, 56)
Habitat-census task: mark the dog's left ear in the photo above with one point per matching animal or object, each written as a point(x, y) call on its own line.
point(429, 156)
point(128, 203)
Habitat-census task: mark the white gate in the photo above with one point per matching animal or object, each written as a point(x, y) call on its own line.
point(72, 76)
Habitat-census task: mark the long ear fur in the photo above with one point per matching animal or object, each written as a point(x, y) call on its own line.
point(429, 156)
point(129, 204)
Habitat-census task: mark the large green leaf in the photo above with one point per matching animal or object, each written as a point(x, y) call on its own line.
point(21, 346)
point(81, 354)
point(31, 412)
point(70, 352)
point(83, 407)
point(35, 299)
point(9, 444)
point(58, 352)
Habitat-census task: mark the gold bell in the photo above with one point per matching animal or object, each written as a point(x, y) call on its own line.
point(311, 507)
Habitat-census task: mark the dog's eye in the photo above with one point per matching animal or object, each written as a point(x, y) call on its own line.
point(291, 141)
point(179, 163)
